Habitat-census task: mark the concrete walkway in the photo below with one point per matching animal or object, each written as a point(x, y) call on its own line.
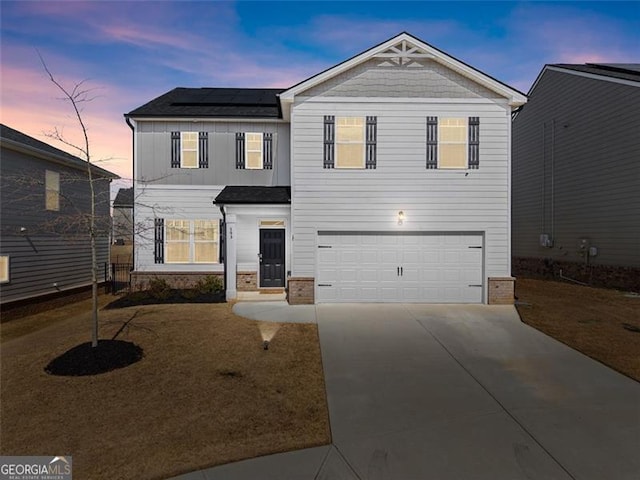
point(458, 392)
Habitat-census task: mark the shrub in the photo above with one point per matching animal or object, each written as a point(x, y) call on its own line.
point(209, 284)
point(189, 293)
point(159, 288)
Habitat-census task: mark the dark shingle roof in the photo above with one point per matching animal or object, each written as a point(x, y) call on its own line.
point(629, 71)
point(124, 198)
point(12, 135)
point(213, 102)
point(253, 194)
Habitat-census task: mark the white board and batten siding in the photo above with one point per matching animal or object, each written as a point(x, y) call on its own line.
point(433, 201)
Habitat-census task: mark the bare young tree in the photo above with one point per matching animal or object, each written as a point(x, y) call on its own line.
point(76, 97)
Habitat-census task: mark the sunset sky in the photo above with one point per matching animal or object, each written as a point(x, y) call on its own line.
point(131, 52)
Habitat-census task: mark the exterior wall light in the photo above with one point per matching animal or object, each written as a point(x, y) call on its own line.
point(265, 344)
point(400, 217)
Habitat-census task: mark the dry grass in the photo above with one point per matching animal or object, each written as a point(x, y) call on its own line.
point(591, 320)
point(205, 393)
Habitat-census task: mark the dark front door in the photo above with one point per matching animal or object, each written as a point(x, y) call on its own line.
point(272, 258)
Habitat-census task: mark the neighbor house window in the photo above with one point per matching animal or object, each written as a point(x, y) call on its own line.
point(189, 150)
point(191, 241)
point(52, 190)
point(4, 268)
point(349, 141)
point(452, 143)
point(253, 145)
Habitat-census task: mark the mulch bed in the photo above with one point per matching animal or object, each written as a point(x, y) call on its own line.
point(84, 359)
point(174, 296)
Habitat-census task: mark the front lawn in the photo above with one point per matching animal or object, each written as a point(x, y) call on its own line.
point(603, 324)
point(205, 393)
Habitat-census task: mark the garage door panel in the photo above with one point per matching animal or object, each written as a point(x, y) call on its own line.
point(436, 268)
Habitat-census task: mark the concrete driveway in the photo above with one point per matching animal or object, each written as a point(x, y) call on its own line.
point(459, 392)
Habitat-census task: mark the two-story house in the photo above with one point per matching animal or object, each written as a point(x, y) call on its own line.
point(46, 204)
point(385, 178)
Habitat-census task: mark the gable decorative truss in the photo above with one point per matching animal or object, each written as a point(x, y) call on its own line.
point(404, 50)
point(404, 53)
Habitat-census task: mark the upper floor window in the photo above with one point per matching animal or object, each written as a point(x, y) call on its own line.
point(453, 143)
point(350, 142)
point(189, 150)
point(254, 150)
point(52, 190)
point(253, 155)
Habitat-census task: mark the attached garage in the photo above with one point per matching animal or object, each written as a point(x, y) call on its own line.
point(411, 267)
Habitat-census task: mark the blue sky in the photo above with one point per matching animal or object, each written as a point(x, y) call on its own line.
point(131, 52)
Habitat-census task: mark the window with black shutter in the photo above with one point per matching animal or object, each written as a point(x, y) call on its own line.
point(371, 135)
point(203, 150)
point(474, 142)
point(175, 149)
point(453, 143)
point(158, 251)
point(329, 141)
point(240, 163)
point(267, 151)
point(432, 143)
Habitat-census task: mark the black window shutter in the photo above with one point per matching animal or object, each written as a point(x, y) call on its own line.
point(223, 238)
point(175, 149)
point(267, 151)
point(158, 250)
point(371, 134)
point(474, 142)
point(203, 150)
point(432, 143)
point(240, 150)
point(329, 140)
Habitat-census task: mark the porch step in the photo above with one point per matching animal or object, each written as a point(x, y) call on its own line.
point(271, 291)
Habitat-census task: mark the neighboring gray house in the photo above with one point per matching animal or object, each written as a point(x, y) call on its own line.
point(44, 243)
point(576, 175)
point(123, 217)
point(385, 178)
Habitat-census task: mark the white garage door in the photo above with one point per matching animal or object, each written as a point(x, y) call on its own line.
point(406, 267)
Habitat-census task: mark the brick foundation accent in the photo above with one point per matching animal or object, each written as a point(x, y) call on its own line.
point(605, 276)
point(501, 290)
point(300, 290)
point(140, 280)
point(247, 281)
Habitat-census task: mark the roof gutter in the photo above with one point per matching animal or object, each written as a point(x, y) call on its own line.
point(133, 200)
point(224, 234)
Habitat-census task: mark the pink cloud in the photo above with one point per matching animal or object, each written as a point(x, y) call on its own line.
point(569, 35)
point(31, 104)
point(148, 38)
